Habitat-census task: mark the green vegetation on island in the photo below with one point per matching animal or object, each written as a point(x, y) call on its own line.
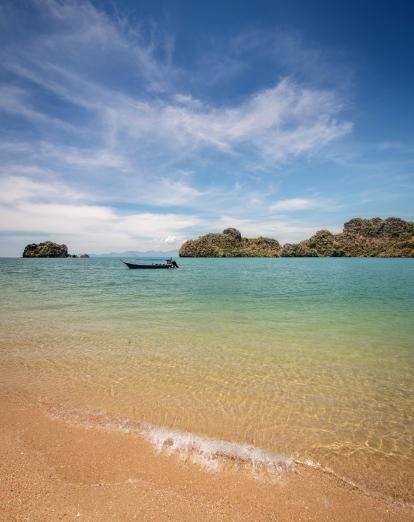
point(48, 249)
point(230, 244)
point(390, 237)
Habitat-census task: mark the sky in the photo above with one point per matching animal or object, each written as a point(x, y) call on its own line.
point(135, 125)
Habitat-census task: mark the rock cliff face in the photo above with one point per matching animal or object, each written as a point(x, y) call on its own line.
point(391, 237)
point(46, 249)
point(230, 244)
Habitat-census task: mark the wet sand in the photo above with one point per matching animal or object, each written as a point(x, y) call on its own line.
point(54, 470)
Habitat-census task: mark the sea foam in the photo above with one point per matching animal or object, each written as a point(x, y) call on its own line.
point(211, 455)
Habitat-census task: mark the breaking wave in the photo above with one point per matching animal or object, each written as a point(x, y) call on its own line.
point(210, 454)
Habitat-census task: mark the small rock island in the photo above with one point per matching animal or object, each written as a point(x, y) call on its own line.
point(48, 249)
point(376, 237)
point(230, 243)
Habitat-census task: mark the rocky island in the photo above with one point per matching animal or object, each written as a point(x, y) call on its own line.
point(390, 237)
point(48, 249)
point(230, 243)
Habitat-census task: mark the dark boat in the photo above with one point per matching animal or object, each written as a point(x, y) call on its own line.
point(149, 263)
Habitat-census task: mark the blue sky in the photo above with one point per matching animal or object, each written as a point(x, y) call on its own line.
point(136, 125)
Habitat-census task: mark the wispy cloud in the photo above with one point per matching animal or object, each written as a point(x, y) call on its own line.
point(15, 189)
point(274, 123)
point(286, 119)
point(293, 204)
point(111, 127)
point(15, 100)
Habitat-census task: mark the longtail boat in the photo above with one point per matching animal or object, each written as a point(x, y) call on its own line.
point(152, 263)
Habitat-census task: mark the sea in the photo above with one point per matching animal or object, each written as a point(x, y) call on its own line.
point(274, 361)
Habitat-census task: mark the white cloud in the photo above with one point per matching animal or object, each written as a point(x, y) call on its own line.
point(15, 100)
point(14, 189)
point(284, 230)
point(117, 122)
point(170, 239)
point(51, 208)
point(275, 123)
point(282, 121)
point(165, 193)
point(288, 205)
point(94, 228)
point(83, 158)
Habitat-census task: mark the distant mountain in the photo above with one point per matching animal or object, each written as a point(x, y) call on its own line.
point(132, 253)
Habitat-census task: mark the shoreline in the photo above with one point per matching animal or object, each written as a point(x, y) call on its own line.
point(52, 469)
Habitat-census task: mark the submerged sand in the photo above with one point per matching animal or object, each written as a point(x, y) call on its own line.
point(51, 469)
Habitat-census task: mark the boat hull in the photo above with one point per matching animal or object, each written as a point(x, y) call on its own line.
point(146, 267)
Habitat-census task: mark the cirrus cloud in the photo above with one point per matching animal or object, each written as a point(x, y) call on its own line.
point(293, 204)
point(109, 145)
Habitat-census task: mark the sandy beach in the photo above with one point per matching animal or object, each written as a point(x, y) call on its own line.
point(54, 470)
point(206, 261)
point(110, 411)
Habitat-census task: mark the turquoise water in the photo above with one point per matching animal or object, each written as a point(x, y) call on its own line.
point(310, 358)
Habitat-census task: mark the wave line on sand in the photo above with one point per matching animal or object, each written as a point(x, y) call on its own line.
point(212, 455)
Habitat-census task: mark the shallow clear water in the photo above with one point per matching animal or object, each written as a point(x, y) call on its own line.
point(309, 358)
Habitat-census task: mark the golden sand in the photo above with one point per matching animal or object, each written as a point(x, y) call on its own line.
point(54, 470)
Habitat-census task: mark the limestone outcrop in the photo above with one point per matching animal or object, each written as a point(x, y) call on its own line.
point(46, 249)
point(49, 249)
point(230, 243)
point(376, 237)
point(390, 237)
